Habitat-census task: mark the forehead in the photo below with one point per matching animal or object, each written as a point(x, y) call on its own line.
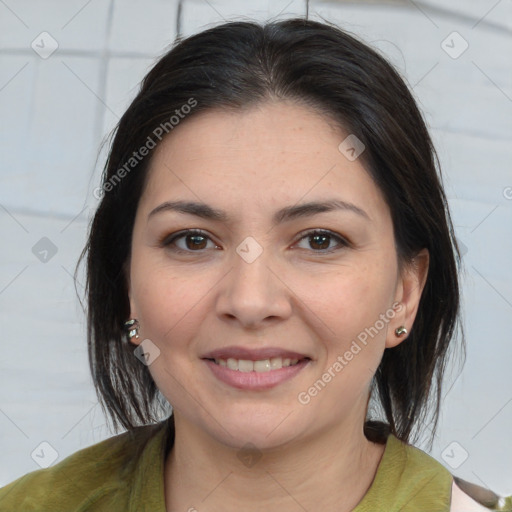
point(267, 155)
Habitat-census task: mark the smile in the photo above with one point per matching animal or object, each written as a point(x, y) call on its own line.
point(256, 375)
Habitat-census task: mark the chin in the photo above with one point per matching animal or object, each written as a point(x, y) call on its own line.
point(264, 430)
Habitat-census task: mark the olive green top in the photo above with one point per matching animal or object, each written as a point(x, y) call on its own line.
point(125, 473)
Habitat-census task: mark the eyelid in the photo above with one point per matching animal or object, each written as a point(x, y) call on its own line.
point(342, 241)
point(170, 238)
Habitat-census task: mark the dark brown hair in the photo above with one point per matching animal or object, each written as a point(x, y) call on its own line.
point(240, 64)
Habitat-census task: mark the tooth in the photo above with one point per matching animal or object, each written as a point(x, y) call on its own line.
point(276, 363)
point(245, 366)
point(262, 366)
point(232, 364)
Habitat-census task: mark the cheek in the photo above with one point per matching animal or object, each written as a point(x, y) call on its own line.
point(165, 300)
point(354, 306)
point(170, 308)
point(350, 299)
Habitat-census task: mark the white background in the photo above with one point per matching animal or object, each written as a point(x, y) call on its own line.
point(55, 112)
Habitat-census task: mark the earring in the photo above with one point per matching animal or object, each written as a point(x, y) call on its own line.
point(132, 326)
point(400, 330)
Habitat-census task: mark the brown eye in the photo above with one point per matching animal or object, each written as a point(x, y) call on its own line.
point(190, 241)
point(321, 240)
point(196, 241)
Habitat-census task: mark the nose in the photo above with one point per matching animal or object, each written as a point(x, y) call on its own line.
point(254, 294)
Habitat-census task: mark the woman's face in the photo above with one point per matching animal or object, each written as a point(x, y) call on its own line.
point(257, 286)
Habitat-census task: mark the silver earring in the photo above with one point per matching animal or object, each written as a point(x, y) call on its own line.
point(400, 330)
point(132, 326)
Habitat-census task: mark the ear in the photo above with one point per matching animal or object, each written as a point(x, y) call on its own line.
point(408, 294)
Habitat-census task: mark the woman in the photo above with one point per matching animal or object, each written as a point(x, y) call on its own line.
point(273, 256)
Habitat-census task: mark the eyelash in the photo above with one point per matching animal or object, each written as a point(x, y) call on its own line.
point(171, 239)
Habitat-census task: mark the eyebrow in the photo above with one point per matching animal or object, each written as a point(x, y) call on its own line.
point(285, 214)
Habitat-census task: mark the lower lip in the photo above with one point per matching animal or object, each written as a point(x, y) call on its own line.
point(255, 380)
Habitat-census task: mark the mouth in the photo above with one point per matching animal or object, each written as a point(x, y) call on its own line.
point(255, 369)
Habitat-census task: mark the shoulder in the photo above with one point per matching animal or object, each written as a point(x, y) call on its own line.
point(463, 496)
point(89, 475)
point(418, 466)
point(408, 479)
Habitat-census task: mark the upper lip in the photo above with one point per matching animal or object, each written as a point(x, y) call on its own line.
point(255, 354)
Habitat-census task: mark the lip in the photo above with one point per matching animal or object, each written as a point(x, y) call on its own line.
point(255, 381)
point(257, 354)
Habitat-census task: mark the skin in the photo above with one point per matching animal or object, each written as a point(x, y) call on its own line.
point(298, 295)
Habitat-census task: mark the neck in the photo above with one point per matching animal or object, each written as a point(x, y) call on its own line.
point(330, 470)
